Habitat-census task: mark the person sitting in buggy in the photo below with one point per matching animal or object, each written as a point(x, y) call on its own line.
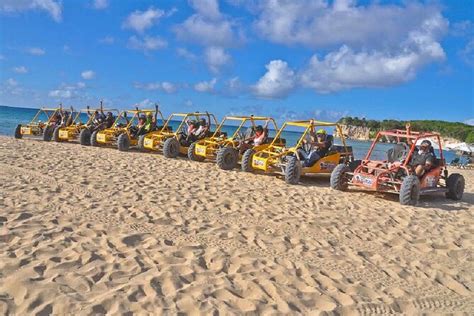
point(315, 148)
point(423, 159)
point(254, 138)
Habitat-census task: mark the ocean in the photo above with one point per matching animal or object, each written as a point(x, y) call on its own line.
point(10, 117)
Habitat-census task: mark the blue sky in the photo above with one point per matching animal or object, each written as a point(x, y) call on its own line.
point(288, 59)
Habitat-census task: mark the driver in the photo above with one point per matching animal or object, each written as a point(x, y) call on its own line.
point(109, 120)
point(255, 140)
point(141, 126)
point(202, 130)
point(423, 159)
point(320, 143)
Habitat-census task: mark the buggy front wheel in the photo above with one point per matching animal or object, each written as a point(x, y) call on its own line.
point(56, 134)
point(85, 137)
point(123, 142)
point(18, 132)
point(94, 142)
point(293, 171)
point(227, 158)
point(247, 158)
point(339, 180)
point(171, 148)
point(47, 133)
point(410, 190)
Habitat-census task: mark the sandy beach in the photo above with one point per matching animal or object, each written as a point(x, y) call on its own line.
point(93, 230)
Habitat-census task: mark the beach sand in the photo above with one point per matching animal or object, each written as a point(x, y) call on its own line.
point(94, 230)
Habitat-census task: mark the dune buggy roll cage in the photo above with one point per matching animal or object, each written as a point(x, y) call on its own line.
point(53, 111)
point(243, 120)
point(413, 137)
point(309, 126)
point(135, 114)
point(184, 117)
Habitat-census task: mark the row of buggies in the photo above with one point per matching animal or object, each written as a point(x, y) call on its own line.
point(253, 143)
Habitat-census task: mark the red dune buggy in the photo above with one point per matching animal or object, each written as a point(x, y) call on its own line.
point(396, 173)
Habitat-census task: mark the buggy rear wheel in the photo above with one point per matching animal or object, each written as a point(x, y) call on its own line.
point(192, 153)
point(171, 148)
point(18, 132)
point(247, 158)
point(410, 190)
point(94, 142)
point(56, 134)
point(455, 185)
point(339, 180)
point(85, 137)
point(47, 133)
point(141, 143)
point(227, 158)
point(123, 142)
point(293, 171)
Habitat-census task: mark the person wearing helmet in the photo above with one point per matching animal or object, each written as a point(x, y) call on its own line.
point(315, 148)
point(423, 159)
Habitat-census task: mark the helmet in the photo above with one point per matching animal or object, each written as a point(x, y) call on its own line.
point(426, 143)
point(142, 117)
point(109, 114)
point(321, 131)
point(259, 128)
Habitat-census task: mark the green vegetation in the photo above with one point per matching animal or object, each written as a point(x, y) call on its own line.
point(460, 131)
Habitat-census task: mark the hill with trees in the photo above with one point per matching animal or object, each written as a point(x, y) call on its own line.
point(459, 131)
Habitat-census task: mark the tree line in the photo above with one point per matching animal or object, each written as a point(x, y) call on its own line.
point(460, 131)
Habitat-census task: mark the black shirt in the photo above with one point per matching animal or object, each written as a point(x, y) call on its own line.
point(322, 151)
point(422, 159)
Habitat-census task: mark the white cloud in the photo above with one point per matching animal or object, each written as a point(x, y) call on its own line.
point(469, 122)
point(317, 23)
point(88, 74)
point(20, 70)
point(54, 8)
point(107, 40)
point(12, 82)
point(209, 27)
point(186, 54)
point(100, 4)
point(147, 103)
point(216, 57)
point(205, 86)
point(164, 86)
point(36, 51)
point(147, 44)
point(142, 20)
point(346, 69)
point(207, 8)
point(467, 53)
point(277, 82)
point(67, 91)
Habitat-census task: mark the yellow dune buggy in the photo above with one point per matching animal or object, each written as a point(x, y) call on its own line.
point(288, 161)
point(125, 131)
point(82, 131)
point(173, 142)
point(227, 150)
point(42, 124)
